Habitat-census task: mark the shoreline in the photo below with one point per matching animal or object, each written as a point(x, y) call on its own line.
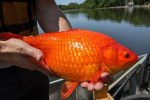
point(136, 6)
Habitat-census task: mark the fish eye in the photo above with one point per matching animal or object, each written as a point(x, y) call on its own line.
point(126, 55)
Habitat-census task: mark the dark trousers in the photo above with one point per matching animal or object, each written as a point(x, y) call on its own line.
point(21, 84)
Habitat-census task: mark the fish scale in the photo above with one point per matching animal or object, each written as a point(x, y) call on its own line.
point(79, 55)
point(74, 56)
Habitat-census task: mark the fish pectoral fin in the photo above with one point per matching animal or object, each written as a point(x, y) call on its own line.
point(67, 88)
point(98, 77)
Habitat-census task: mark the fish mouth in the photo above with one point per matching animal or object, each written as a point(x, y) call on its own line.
point(133, 59)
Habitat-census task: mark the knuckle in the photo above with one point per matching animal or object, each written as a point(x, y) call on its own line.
point(16, 45)
point(20, 48)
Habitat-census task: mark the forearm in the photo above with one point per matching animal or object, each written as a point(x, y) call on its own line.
point(4, 49)
point(50, 17)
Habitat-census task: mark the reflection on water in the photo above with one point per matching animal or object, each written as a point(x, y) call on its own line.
point(128, 26)
point(135, 16)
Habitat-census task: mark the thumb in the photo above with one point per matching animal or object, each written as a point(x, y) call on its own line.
point(46, 70)
point(107, 78)
point(35, 53)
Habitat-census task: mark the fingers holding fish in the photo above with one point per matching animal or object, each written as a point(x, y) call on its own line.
point(20, 47)
point(99, 86)
point(92, 87)
point(107, 79)
point(84, 84)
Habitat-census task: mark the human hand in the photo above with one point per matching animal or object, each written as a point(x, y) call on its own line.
point(21, 54)
point(107, 78)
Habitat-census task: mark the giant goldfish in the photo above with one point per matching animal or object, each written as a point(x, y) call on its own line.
point(79, 55)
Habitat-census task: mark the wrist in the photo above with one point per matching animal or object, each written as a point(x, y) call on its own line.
point(2, 46)
point(3, 61)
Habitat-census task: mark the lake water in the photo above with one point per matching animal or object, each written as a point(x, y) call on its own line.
point(128, 26)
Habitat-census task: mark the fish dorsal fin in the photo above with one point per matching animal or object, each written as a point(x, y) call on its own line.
point(98, 77)
point(67, 88)
point(76, 29)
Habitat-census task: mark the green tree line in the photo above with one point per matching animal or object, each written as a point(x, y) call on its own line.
point(91, 4)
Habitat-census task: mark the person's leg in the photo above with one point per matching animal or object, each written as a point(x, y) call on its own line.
point(39, 93)
point(35, 85)
point(10, 85)
point(21, 84)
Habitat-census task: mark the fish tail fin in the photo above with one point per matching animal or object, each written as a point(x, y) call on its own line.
point(67, 88)
point(5, 36)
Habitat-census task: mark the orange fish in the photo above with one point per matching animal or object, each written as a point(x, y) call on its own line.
point(79, 55)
